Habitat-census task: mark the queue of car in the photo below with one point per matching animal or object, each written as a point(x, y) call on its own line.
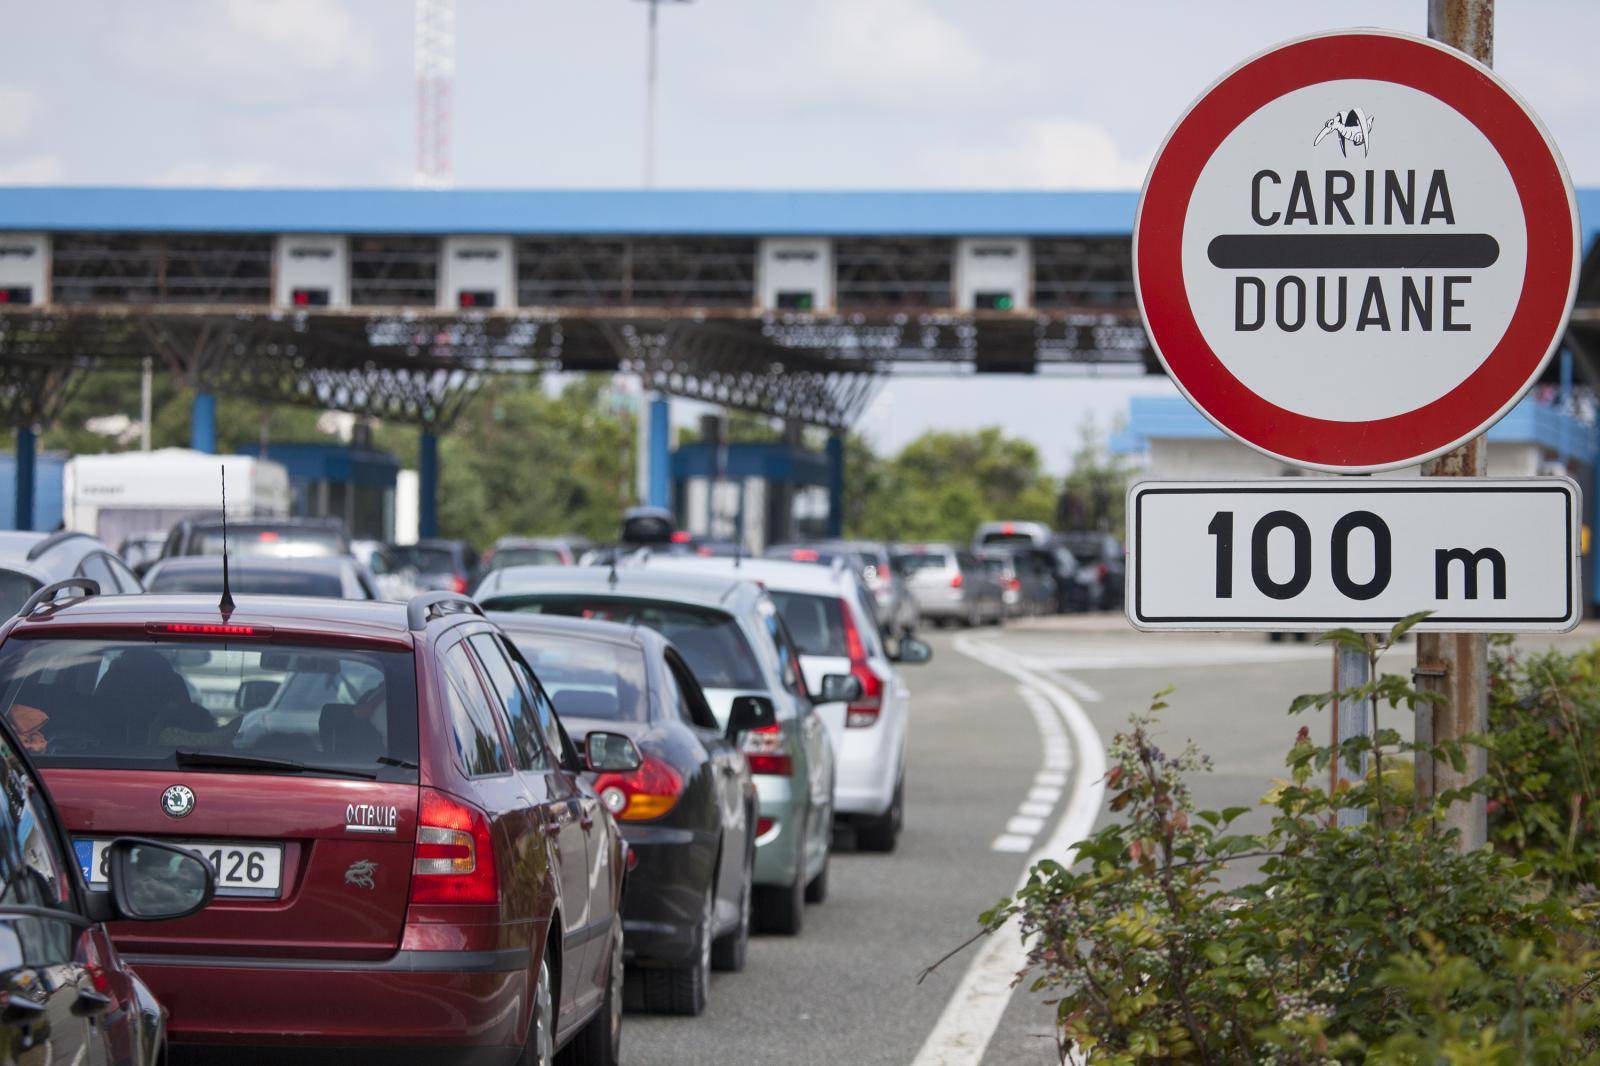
point(483, 825)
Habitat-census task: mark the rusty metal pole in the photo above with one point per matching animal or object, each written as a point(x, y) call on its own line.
point(1457, 664)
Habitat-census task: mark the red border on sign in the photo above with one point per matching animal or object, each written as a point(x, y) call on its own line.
point(1504, 375)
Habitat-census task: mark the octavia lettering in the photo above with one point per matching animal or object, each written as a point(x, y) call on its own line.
point(370, 818)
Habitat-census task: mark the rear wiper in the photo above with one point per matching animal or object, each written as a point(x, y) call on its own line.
point(390, 760)
point(230, 760)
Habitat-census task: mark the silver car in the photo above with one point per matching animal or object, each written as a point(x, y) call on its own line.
point(730, 633)
point(950, 585)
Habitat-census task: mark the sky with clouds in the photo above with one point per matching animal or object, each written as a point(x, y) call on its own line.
point(753, 94)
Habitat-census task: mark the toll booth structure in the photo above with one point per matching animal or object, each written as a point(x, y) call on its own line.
point(355, 485)
point(758, 494)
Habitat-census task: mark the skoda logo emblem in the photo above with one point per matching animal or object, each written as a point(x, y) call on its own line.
point(177, 801)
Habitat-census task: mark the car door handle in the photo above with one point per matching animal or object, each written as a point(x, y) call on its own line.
point(90, 1002)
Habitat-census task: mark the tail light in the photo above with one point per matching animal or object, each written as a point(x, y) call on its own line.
point(955, 582)
point(639, 795)
point(455, 855)
point(1103, 570)
point(1013, 584)
point(764, 825)
point(458, 584)
point(864, 711)
point(766, 751)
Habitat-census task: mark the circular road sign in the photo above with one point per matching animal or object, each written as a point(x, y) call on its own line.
point(1356, 250)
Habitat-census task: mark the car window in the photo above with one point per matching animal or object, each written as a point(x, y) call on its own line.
point(246, 540)
point(686, 690)
point(911, 562)
point(94, 567)
point(525, 557)
point(544, 712)
point(127, 580)
point(32, 870)
point(966, 560)
point(478, 746)
point(15, 589)
point(783, 644)
point(709, 640)
point(816, 623)
point(134, 704)
point(249, 581)
point(587, 678)
point(516, 700)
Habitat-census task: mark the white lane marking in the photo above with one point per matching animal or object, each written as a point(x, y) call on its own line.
point(1040, 810)
point(975, 1008)
point(1011, 842)
point(1086, 693)
point(1044, 794)
point(1021, 824)
point(1049, 777)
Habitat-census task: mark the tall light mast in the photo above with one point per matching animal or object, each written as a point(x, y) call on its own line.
point(436, 71)
point(650, 95)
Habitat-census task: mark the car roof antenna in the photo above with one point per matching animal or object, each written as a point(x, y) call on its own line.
point(611, 578)
point(225, 605)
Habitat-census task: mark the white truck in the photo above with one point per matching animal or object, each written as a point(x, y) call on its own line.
point(135, 494)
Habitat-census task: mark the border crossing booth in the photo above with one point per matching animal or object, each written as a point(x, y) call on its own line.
point(355, 485)
point(755, 494)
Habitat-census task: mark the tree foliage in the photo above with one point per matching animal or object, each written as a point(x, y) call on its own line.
point(942, 485)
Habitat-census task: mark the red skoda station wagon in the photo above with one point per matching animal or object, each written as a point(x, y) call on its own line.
point(406, 859)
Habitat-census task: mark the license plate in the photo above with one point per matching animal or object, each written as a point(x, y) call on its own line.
point(250, 870)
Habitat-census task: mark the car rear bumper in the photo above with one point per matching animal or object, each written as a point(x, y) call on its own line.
point(869, 763)
point(666, 892)
point(418, 1000)
point(780, 851)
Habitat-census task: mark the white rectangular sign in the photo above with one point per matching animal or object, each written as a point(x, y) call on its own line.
point(1498, 555)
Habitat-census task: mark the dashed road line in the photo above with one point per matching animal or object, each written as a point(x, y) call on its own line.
point(975, 1008)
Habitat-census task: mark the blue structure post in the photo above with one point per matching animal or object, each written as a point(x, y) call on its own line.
point(836, 485)
point(428, 484)
point(25, 476)
point(660, 453)
point(203, 423)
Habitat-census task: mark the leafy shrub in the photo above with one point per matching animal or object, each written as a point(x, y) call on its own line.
point(1379, 942)
point(1544, 764)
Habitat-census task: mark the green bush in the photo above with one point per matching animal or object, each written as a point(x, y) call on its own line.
point(1544, 724)
point(1379, 942)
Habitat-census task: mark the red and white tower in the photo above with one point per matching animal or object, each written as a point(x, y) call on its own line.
point(436, 72)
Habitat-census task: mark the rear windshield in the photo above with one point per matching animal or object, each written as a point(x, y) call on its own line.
point(816, 623)
point(911, 562)
point(429, 560)
point(269, 542)
point(1007, 538)
point(995, 564)
point(587, 678)
point(246, 582)
point(1087, 547)
point(138, 704)
point(709, 640)
point(525, 557)
point(15, 589)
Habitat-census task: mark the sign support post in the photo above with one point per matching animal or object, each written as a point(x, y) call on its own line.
point(1456, 665)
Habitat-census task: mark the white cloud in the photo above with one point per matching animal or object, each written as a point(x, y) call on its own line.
point(1057, 153)
point(894, 50)
point(319, 34)
point(17, 107)
point(34, 170)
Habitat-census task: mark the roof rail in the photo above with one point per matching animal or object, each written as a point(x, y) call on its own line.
point(89, 585)
point(60, 536)
point(424, 607)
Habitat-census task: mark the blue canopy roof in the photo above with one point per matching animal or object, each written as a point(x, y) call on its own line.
point(566, 211)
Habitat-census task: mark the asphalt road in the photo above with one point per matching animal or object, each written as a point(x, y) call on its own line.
point(846, 990)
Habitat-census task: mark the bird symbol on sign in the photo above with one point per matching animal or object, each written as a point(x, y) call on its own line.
point(1352, 127)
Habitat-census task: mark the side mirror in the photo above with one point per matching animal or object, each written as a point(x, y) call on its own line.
point(610, 753)
point(749, 713)
point(839, 688)
point(912, 651)
point(155, 882)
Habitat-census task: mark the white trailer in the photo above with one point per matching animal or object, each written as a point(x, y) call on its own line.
point(123, 494)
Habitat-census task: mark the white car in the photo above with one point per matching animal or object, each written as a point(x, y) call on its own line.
point(831, 622)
